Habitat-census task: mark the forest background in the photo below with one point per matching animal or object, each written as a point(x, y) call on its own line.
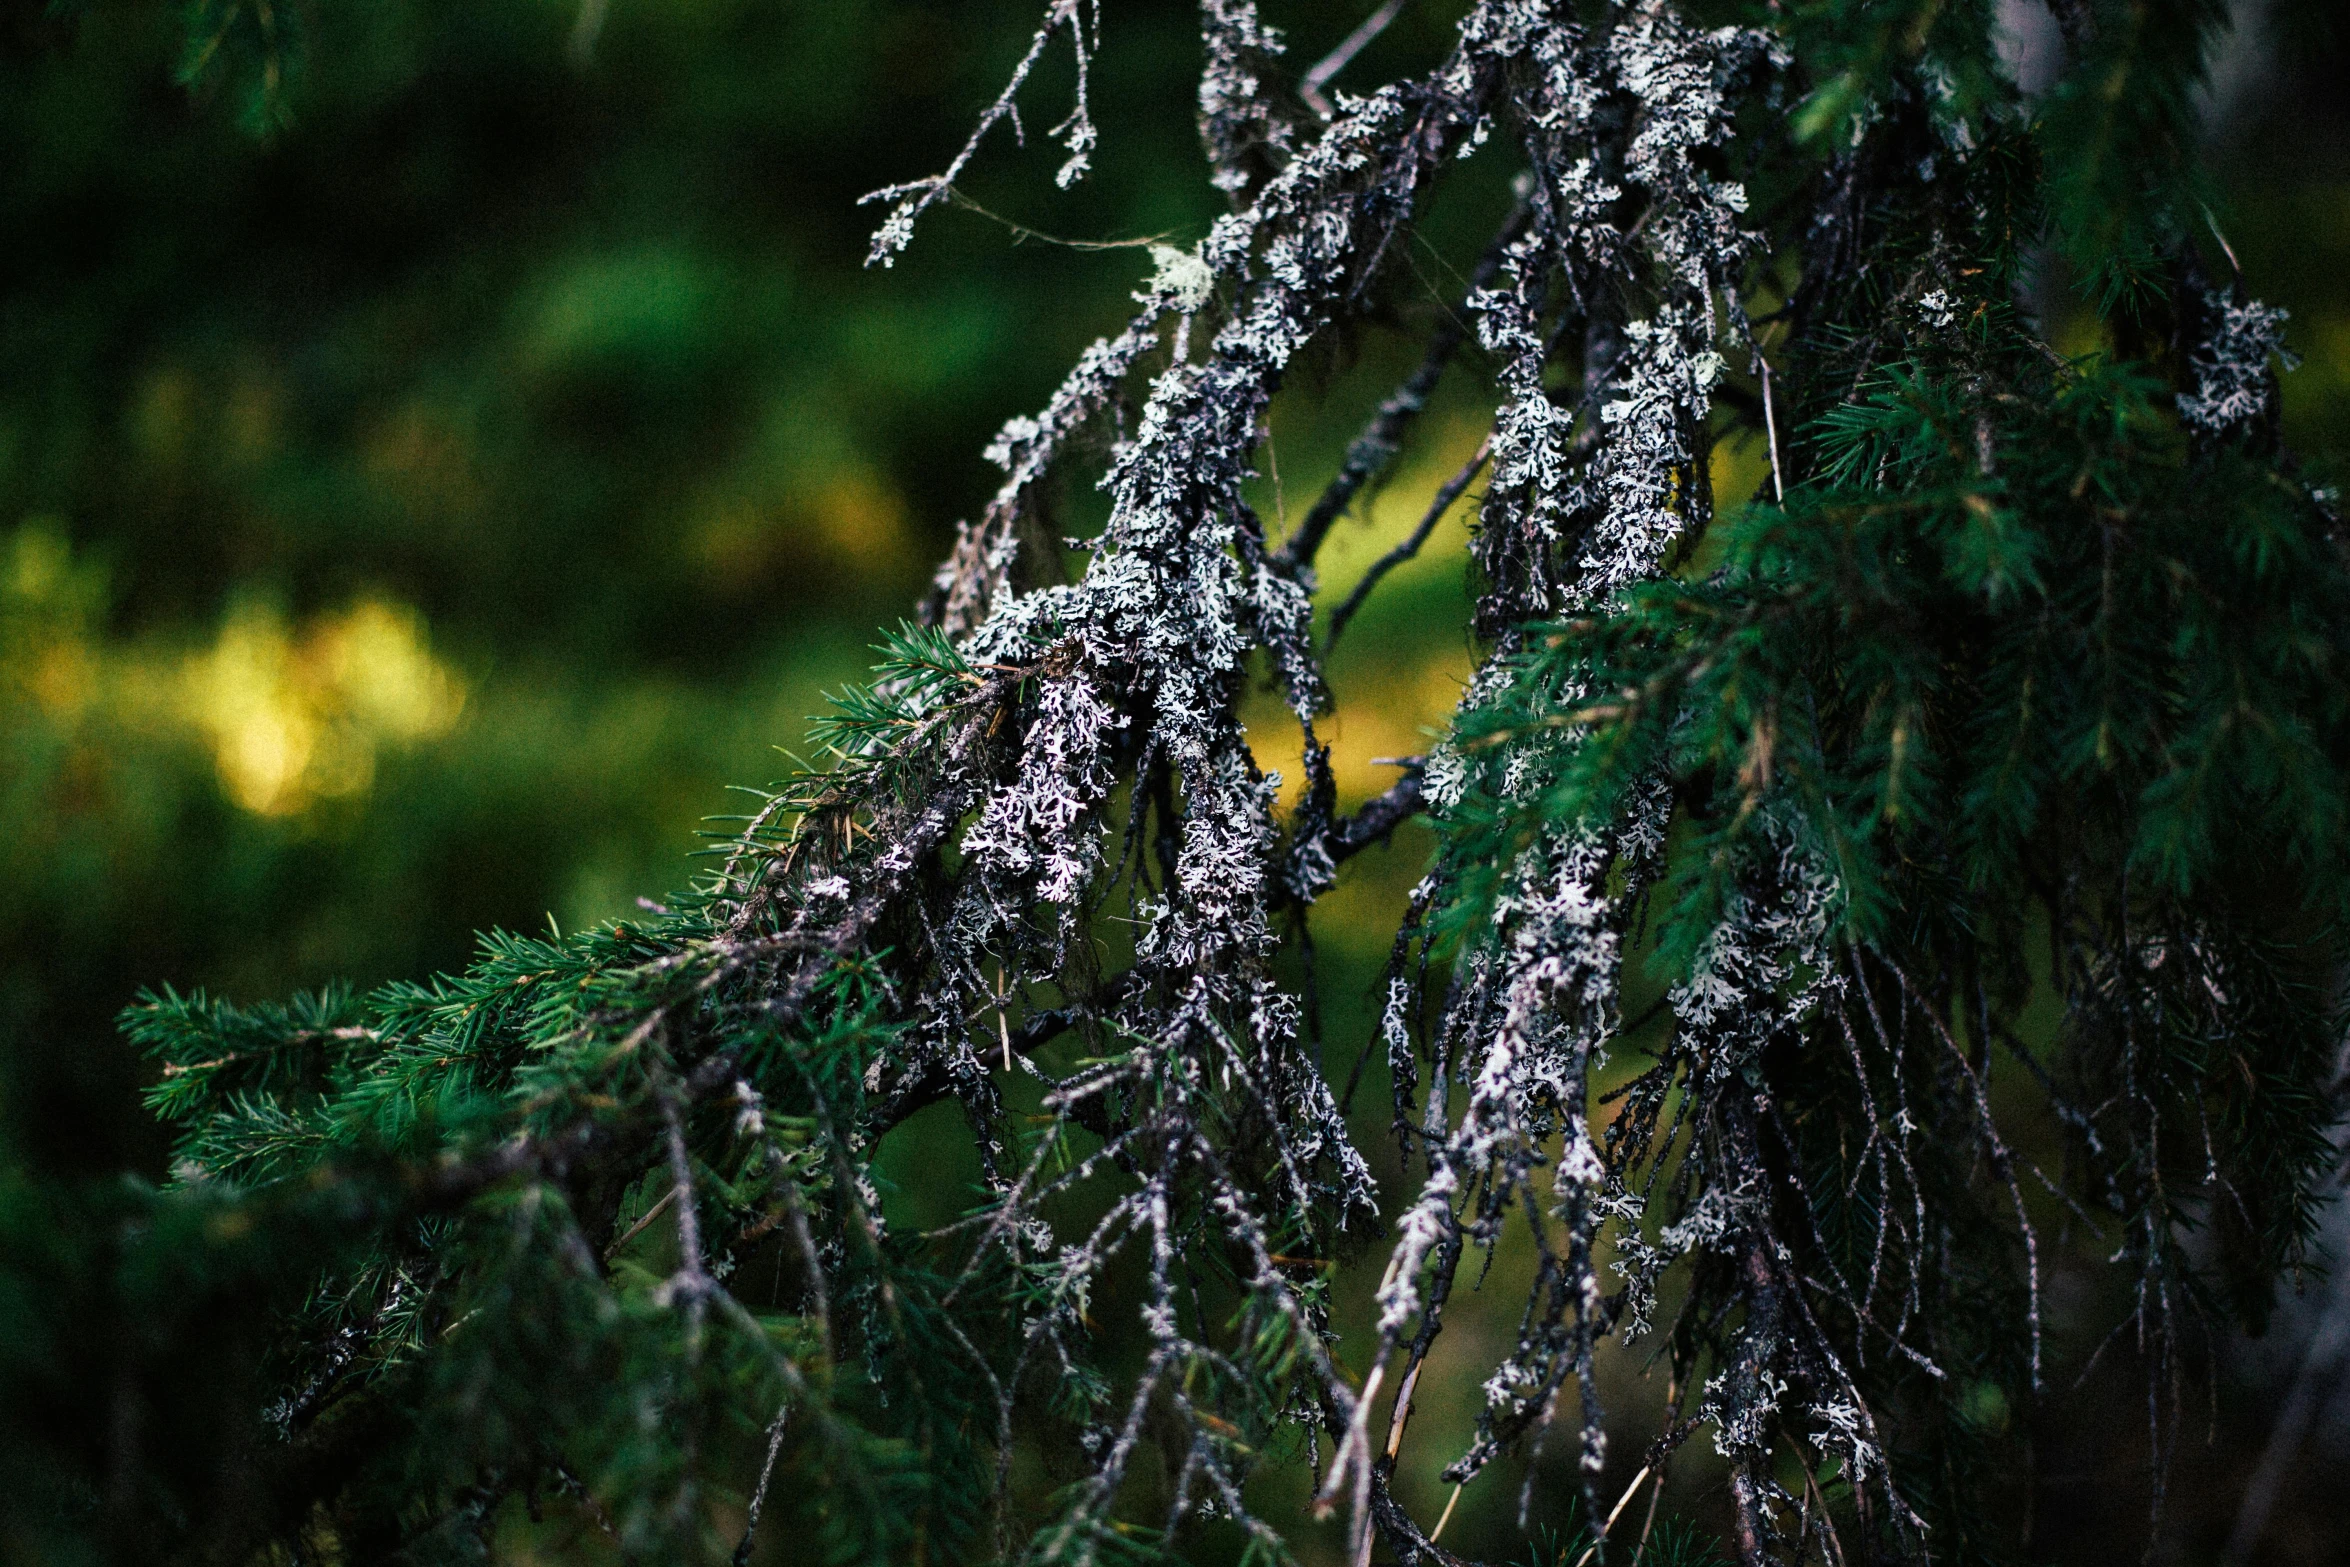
point(437, 458)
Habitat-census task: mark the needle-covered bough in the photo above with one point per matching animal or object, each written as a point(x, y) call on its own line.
point(1977, 791)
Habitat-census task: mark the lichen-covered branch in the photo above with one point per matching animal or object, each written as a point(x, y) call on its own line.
point(1982, 673)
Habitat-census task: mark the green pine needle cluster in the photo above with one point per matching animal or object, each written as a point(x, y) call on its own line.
point(482, 1338)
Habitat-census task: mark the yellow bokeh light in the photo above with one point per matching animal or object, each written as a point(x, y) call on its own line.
point(293, 719)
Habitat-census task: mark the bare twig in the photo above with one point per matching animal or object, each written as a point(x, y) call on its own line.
point(742, 1547)
point(1446, 494)
point(1370, 452)
point(1310, 86)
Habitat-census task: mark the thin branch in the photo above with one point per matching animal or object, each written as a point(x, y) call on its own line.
point(1372, 450)
point(1614, 1513)
point(1021, 232)
point(692, 1279)
point(915, 197)
point(1354, 43)
point(1446, 494)
point(2001, 1160)
point(1403, 800)
point(636, 1229)
point(1771, 430)
point(742, 1547)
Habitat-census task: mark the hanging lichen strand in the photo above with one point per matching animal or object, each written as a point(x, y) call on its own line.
point(1980, 707)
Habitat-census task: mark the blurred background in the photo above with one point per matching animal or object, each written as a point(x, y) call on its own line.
point(439, 455)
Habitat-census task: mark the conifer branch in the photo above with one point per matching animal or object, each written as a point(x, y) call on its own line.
point(2012, 645)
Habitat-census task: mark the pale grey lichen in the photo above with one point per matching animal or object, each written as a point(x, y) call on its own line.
point(2235, 384)
point(1115, 774)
